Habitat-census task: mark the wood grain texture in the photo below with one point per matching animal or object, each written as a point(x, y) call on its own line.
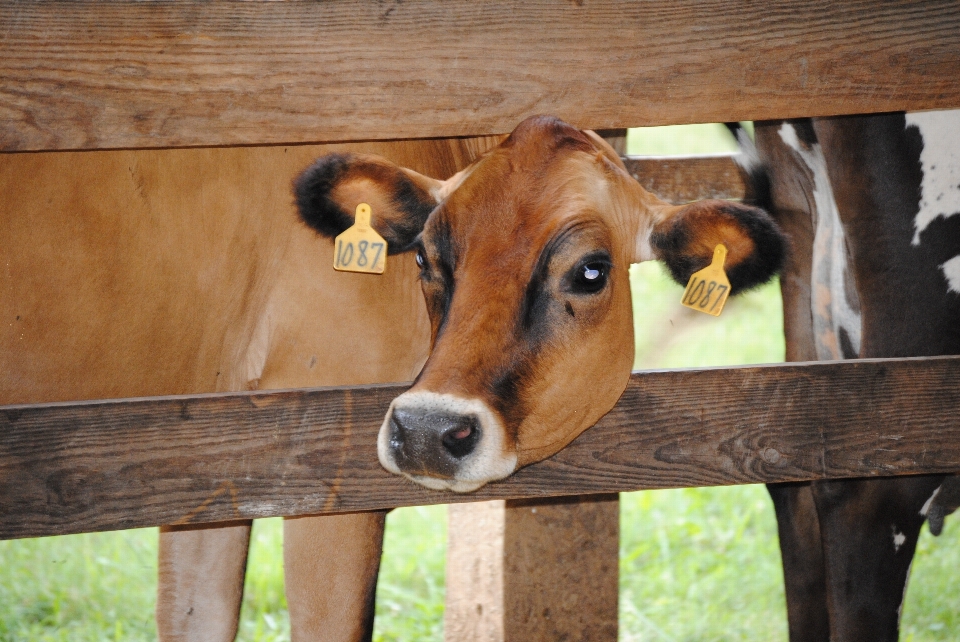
point(561, 568)
point(82, 75)
point(68, 468)
point(681, 179)
point(533, 569)
point(474, 605)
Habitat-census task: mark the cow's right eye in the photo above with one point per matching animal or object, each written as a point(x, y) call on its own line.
point(421, 259)
point(590, 277)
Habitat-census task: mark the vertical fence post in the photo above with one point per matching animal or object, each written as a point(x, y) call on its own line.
point(543, 569)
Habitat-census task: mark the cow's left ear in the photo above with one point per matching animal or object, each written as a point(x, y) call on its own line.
point(684, 237)
point(328, 192)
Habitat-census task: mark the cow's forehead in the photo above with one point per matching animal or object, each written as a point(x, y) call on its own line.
point(546, 133)
point(524, 192)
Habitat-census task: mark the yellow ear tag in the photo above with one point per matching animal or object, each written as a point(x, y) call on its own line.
point(708, 289)
point(359, 248)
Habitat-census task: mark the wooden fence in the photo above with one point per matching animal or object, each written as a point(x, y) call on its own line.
point(97, 75)
point(175, 73)
point(104, 465)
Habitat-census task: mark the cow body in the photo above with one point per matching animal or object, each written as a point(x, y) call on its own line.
point(138, 273)
point(871, 204)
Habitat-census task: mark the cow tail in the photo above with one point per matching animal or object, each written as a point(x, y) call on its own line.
point(756, 178)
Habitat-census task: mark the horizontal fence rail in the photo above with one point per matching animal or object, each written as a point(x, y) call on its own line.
point(122, 74)
point(681, 179)
point(104, 465)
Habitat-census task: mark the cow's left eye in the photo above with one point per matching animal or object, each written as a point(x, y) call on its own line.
point(590, 277)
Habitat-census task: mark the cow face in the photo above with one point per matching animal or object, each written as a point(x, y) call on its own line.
point(524, 261)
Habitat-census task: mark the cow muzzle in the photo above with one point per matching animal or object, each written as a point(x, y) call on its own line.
point(443, 441)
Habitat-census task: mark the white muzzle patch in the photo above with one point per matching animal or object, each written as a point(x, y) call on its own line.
point(488, 461)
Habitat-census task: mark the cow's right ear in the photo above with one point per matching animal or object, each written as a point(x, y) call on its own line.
point(328, 192)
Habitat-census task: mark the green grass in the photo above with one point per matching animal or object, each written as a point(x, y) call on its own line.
point(263, 616)
point(700, 564)
point(931, 611)
point(410, 591)
point(696, 564)
point(681, 140)
point(80, 587)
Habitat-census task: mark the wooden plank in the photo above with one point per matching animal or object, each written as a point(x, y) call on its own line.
point(68, 468)
point(617, 138)
point(533, 569)
point(682, 179)
point(84, 75)
point(474, 605)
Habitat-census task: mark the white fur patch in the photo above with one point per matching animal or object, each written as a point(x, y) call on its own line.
point(643, 249)
point(940, 161)
point(951, 271)
point(749, 157)
point(898, 539)
point(488, 462)
point(927, 504)
point(829, 300)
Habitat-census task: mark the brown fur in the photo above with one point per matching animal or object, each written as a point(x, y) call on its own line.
point(501, 250)
point(138, 273)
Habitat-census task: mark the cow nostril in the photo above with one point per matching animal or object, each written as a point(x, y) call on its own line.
point(396, 432)
point(461, 439)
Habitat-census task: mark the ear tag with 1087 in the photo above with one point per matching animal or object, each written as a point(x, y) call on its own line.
point(708, 289)
point(359, 248)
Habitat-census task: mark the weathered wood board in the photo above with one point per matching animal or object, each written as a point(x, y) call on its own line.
point(121, 74)
point(533, 569)
point(104, 465)
point(681, 179)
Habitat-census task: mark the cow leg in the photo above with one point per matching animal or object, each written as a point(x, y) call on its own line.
point(802, 554)
point(200, 583)
point(869, 529)
point(330, 572)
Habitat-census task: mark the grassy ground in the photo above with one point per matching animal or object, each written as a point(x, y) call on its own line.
point(696, 564)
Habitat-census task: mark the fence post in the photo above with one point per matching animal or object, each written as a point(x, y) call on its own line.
point(540, 569)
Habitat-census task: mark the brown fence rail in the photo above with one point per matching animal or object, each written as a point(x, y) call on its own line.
point(86, 75)
point(681, 179)
point(104, 465)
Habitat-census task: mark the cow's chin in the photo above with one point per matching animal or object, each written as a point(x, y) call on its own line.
point(473, 475)
point(455, 485)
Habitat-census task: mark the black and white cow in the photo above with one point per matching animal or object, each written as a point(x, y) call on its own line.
point(872, 206)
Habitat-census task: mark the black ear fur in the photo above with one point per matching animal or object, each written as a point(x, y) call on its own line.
point(673, 246)
point(313, 189)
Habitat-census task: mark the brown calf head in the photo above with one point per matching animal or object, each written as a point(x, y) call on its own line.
point(524, 262)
